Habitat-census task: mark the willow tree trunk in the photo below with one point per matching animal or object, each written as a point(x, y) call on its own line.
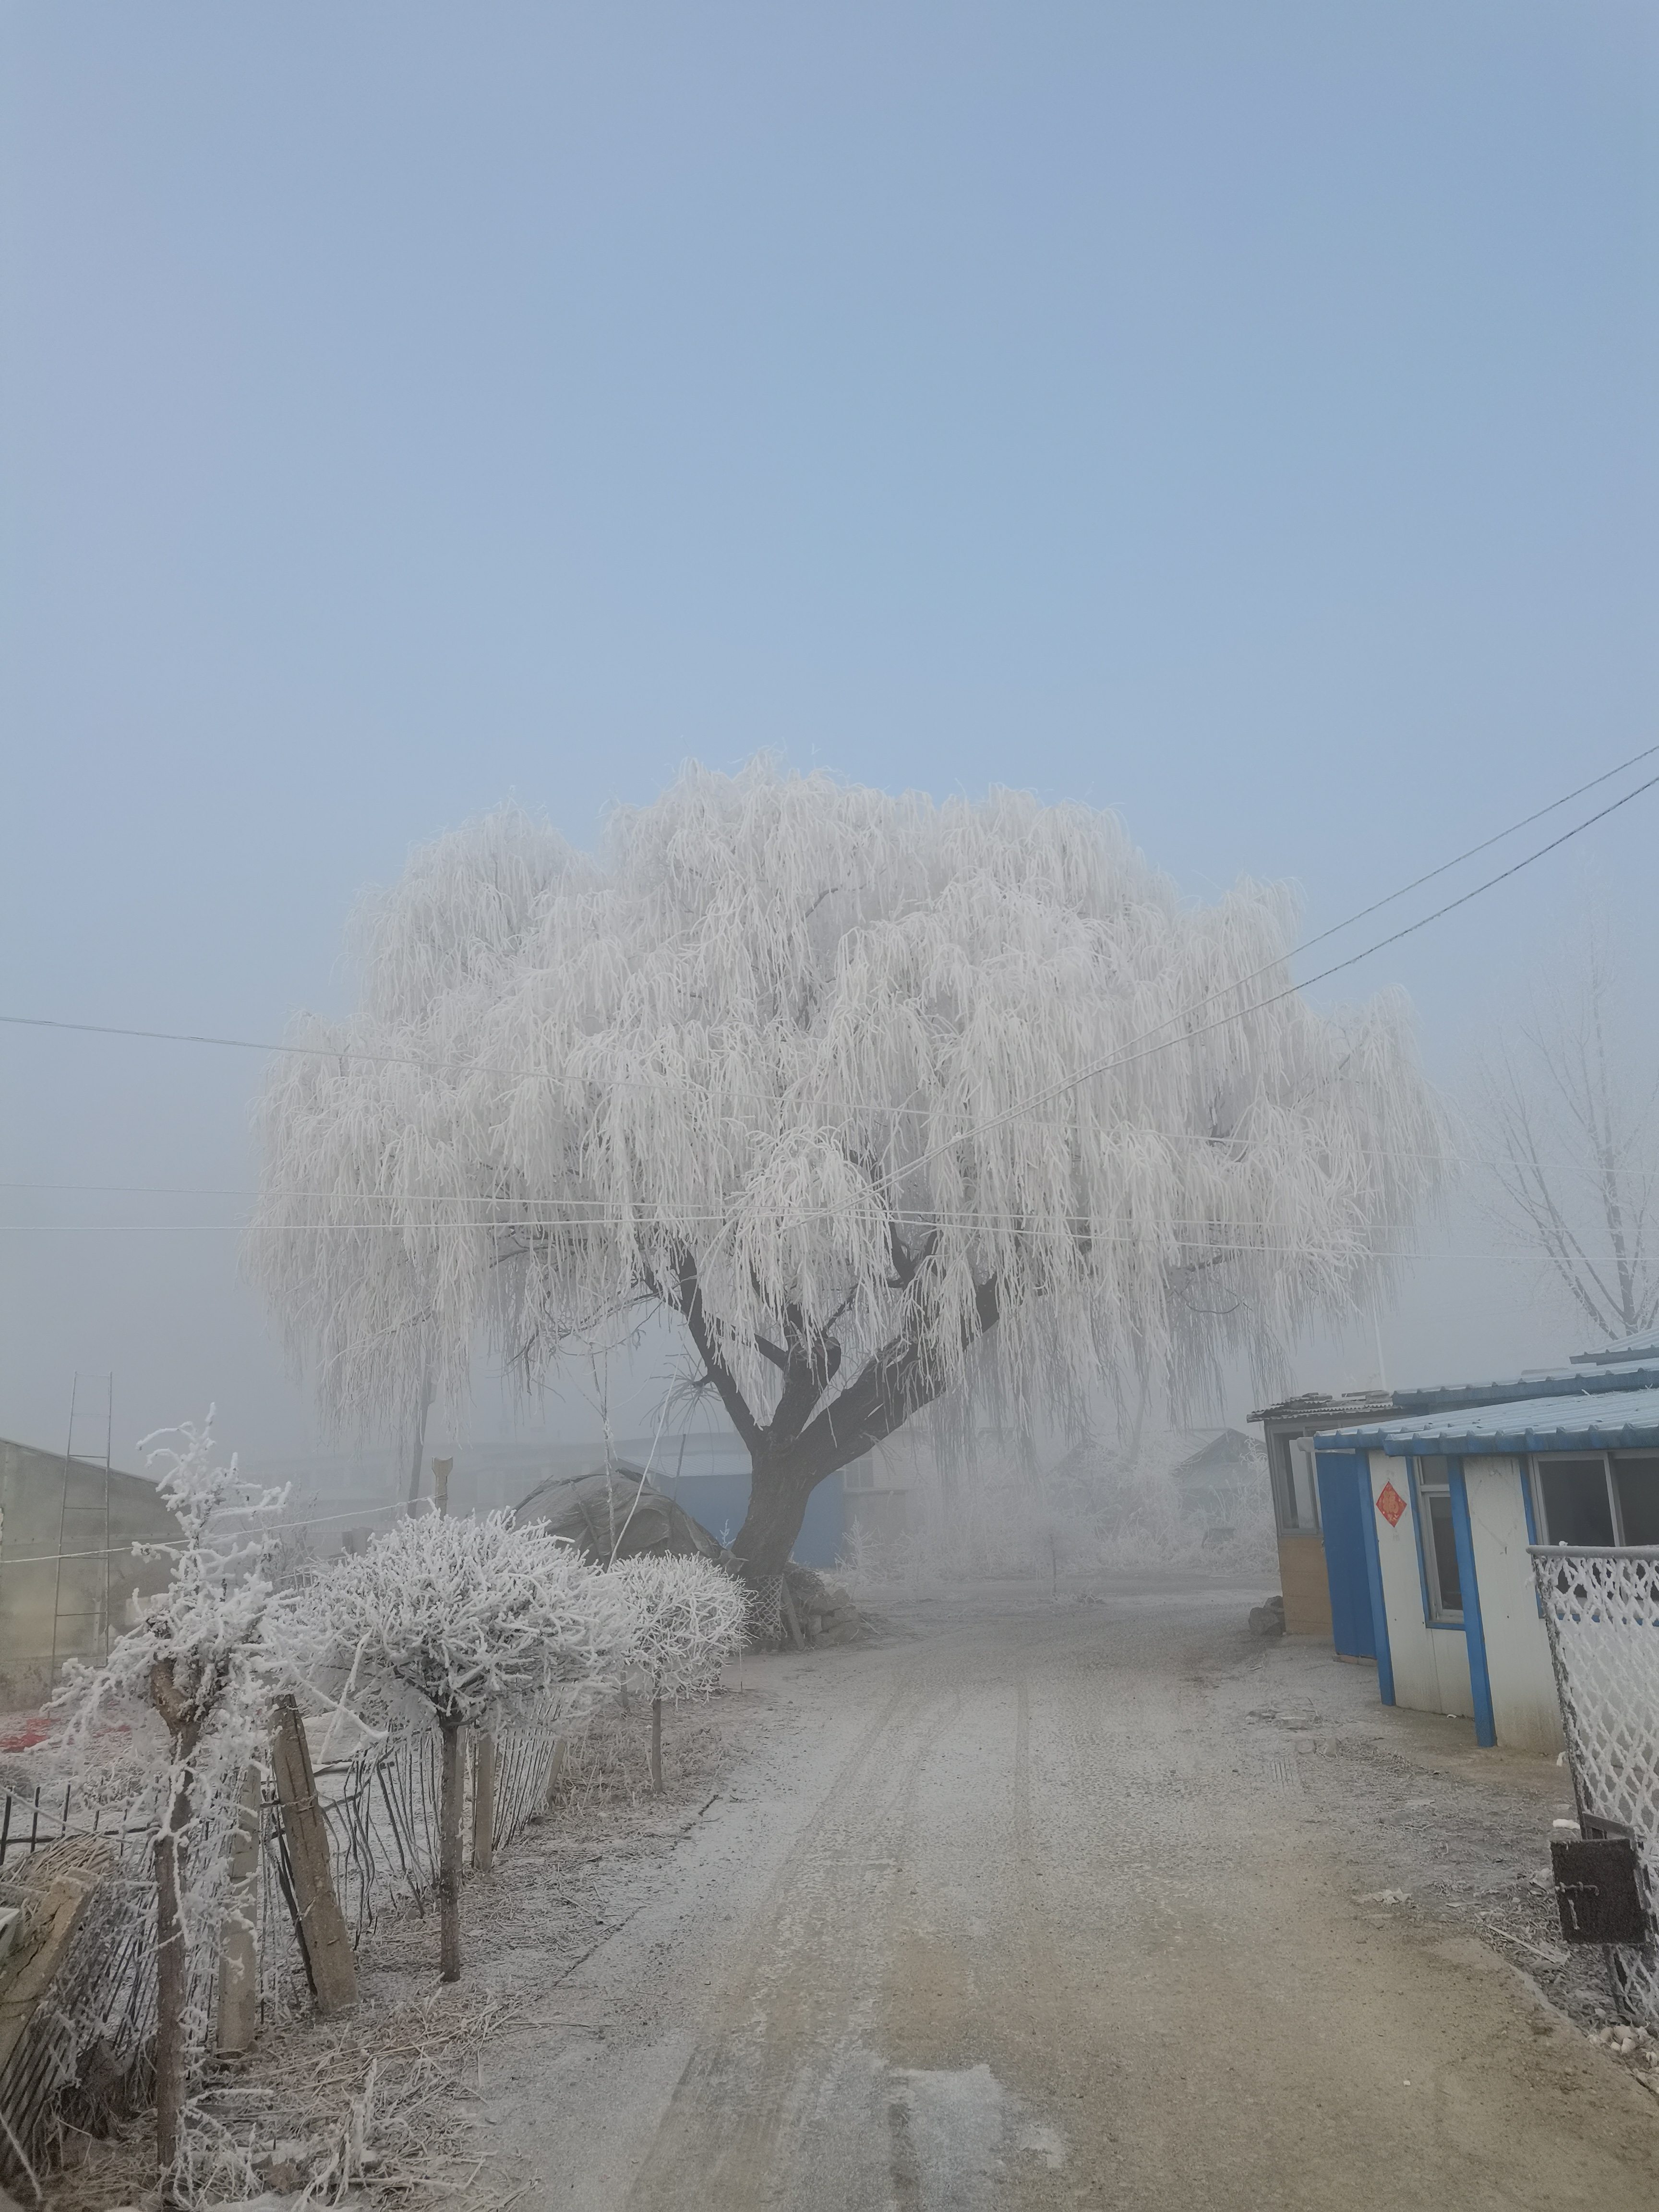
point(656, 1746)
point(778, 1499)
point(449, 1851)
point(801, 1445)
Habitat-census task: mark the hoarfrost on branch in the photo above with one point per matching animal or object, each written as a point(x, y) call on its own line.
point(470, 1619)
point(768, 1062)
point(688, 1616)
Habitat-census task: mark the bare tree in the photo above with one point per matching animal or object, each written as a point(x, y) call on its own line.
point(1571, 1127)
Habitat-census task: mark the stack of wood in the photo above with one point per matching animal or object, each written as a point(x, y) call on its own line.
point(63, 1959)
point(824, 1611)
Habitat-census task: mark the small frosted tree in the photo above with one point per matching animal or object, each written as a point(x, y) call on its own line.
point(807, 1067)
point(468, 1621)
point(688, 1617)
point(208, 1657)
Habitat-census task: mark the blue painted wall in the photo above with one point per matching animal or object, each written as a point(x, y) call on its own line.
point(1485, 1728)
point(719, 1502)
point(1342, 1476)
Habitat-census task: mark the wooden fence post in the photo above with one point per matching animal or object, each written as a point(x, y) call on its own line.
point(484, 1801)
point(555, 1768)
point(791, 1617)
point(320, 1922)
point(238, 1954)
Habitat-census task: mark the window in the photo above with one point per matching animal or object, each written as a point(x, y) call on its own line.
point(1595, 1500)
point(1577, 1500)
point(1298, 1492)
point(1436, 1536)
point(1635, 1484)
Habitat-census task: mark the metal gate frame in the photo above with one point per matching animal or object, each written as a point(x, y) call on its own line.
point(1600, 1612)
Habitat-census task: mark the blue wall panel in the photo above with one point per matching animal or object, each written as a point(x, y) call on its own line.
point(1341, 1483)
point(719, 1502)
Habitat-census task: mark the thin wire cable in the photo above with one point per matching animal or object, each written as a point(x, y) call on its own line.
point(449, 1199)
point(1129, 1055)
point(440, 1066)
point(1229, 1248)
point(1445, 868)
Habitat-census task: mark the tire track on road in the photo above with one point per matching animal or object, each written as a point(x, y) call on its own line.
point(793, 2020)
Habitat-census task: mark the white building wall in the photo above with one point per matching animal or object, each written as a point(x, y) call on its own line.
point(1430, 1665)
point(1525, 1712)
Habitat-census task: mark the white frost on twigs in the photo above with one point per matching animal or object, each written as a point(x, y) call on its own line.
point(223, 1638)
point(800, 1059)
point(208, 1657)
point(687, 1619)
point(472, 1619)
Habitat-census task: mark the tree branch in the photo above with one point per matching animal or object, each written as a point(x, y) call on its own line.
point(881, 1397)
point(696, 1321)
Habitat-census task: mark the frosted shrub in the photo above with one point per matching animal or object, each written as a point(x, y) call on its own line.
point(209, 1656)
point(467, 1621)
point(687, 1619)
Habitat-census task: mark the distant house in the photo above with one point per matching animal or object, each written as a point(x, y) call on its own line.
point(706, 1473)
point(67, 1571)
point(1289, 1430)
point(1216, 1483)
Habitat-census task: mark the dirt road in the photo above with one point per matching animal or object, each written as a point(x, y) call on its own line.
point(1038, 1905)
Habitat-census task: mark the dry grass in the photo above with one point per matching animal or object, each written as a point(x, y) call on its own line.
point(378, 2107)
point(371, 2105)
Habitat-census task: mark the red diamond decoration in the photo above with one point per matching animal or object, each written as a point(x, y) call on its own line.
point(1390, 1504)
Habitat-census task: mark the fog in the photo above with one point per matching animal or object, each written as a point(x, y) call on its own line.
point(1244, 424)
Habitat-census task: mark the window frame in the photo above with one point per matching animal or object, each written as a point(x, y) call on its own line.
point(1286, 1521)
point(1536, 1462)
point(1436, 1614)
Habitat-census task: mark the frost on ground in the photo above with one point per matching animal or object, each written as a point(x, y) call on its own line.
point(1023, 1901)
point(1099, 1509)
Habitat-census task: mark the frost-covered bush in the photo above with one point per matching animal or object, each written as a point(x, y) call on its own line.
point(467, 1621)
point(687, 1619)
point(208, 1657)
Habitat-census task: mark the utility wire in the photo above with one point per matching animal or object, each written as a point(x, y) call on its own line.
point(1231, 1247)
point(1445, 868)
point(1124, 1058)
point(438, 1067)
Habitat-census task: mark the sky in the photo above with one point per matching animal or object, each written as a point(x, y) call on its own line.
point(1237, 414)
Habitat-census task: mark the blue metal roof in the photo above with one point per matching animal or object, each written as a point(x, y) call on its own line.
point(1632, 1374)
point(1611, 1420)
point(1615, 1355)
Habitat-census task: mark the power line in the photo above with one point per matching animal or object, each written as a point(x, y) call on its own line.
point(1445, 868)
point(1291, 990)
point(1231, 1247)
point(440, 1066)
point(471, 1197)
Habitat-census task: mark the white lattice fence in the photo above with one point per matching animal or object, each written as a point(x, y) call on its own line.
point(1601, 1610)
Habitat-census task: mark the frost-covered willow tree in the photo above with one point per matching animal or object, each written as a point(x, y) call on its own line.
point(797, 1062)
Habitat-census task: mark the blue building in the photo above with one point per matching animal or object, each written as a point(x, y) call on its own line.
point(1426, 1515)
